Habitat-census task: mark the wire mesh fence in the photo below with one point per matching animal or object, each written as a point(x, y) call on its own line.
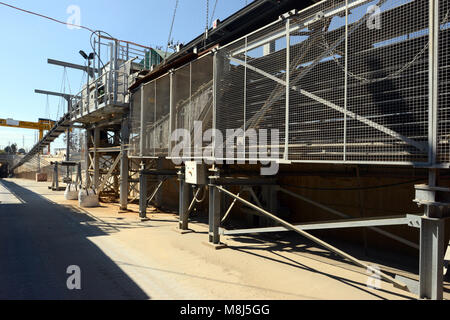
point(358, 79)
point(343, 81)
point(135, 124)
point(444, 83)
point(174, 101)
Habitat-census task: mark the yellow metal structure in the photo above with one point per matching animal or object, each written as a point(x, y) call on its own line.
point(42, 125)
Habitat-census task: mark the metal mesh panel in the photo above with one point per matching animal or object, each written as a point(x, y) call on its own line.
point(135, 124)
point(388, 83)
point(265, 107)
point(251, 95)
point(148, 120)
point(201, 96)
point(444, 79)
point(181, 96)
point(316, 127)
point(162, 116)
point(230, 94)
point(193, 97)
point(358, 80)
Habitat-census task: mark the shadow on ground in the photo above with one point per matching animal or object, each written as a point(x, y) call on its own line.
point(39, 240)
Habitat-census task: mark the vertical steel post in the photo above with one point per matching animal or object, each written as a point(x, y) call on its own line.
point(56, 177)
point(154, 118)
point(142, 192)
point(87, 158)
point(161, 179)
point(183, 201)
point(431, 258)
point(346, 79)
point(69, 109)
point(215, 90)
point(68, 137)
point(432, 230)
point(245, 94)
point(96, 158)
point(96, 94)
point(124, 168)
point(142, 129)
point(100, 70)
point(214, 214)
point(111, 72)
point(288, 87)
point(96, 61)
point(433, 73)
point(218, 67)
point(88, 92)
point(171, 113)
point(115, 72)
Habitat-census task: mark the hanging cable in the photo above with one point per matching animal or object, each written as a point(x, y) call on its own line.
point(68, 81)
point(171, 27)
point(60, 111)
point(47, 108)
point(207, 15)
point(83, 81)
point(65, 23)
point(213, 13)
point(46, 17)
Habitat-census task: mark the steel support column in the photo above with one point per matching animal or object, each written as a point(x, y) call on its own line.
point(432, 230)
point(431, 259)
point(55, 177)
point(183, 201)
point(159, 194)
point(214, 214)
point(142, 192)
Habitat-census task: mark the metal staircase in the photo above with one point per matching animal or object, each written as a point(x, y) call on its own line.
point(61, 126)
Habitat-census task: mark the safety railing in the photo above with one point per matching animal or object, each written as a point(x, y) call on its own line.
point(110, 89)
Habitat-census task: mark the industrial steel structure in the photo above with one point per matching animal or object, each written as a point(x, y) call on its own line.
point(361, 82)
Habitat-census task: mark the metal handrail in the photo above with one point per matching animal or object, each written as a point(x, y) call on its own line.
point(111, 81)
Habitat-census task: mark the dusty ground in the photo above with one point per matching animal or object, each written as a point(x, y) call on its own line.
point(123, 257)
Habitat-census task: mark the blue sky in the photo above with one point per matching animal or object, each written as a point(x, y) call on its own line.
point(27, 42)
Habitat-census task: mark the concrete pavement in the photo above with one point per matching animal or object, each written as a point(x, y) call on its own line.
point(39, 240)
